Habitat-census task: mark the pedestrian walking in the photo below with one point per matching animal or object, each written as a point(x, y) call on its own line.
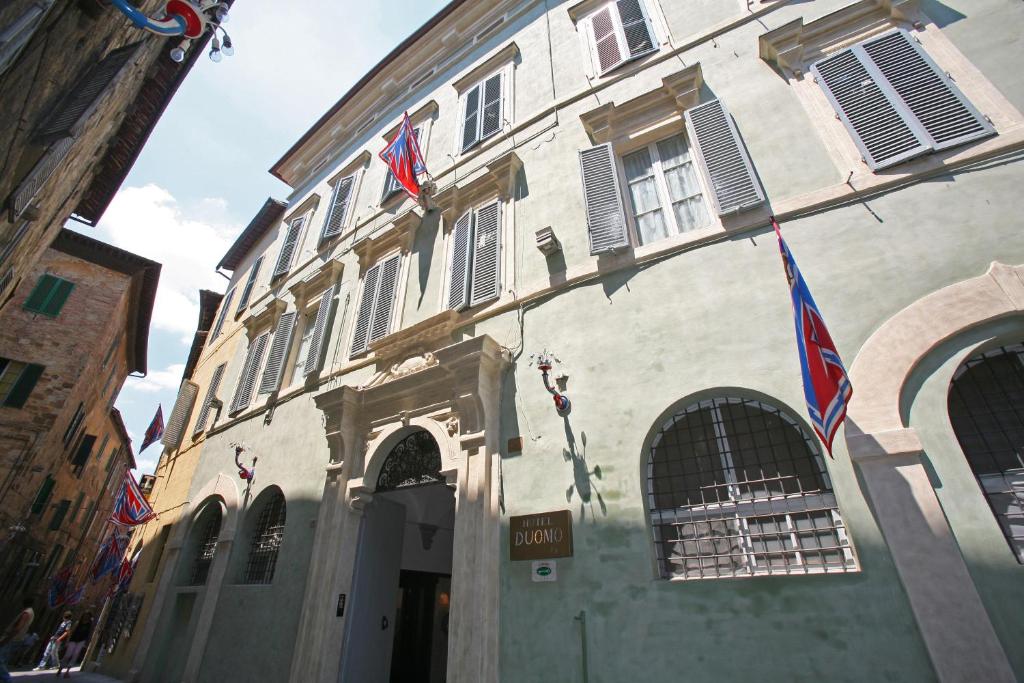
point(76, 643)
point(23, 653)
point(52, 651)
point(13, 635)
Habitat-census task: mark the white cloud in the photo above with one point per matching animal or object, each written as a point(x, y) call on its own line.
point(157, 380)
point(188, 243)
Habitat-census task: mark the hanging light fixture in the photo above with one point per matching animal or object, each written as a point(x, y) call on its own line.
point(188, 18)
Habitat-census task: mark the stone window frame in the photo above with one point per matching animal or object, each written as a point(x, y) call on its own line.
point(580, 15)
point(794, 47)
point(504, 62)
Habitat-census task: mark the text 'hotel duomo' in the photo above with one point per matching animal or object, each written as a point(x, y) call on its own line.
point(605, 174)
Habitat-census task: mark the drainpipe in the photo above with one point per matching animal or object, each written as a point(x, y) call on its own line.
point(582, 618)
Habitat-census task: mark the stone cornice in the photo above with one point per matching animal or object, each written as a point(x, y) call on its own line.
point(425, 334)
point(309, 204)
point(678, 92)
point(351, 167)
point(504, 56)
point(793, 46)
point(422, 114)
point(263, 318)
point(399, 235)
point(582, 9)
point(496, 179)
point(326, 275)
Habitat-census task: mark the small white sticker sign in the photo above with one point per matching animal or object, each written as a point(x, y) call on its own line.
point(544, 570)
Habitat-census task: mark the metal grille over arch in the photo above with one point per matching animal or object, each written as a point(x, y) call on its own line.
point(986, 409)
point(207, 528)
point(266, 540)
point(736, 488)
point(414, 461)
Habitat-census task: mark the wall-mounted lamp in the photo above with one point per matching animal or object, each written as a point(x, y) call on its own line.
point(544, 364)
point(187, 18)
point(244, 473)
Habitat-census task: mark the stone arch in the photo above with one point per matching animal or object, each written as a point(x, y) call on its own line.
point(875, 423)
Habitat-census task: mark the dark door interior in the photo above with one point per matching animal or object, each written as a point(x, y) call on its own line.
point(421, 635)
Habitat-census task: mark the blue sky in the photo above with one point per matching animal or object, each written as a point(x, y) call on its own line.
point(203, 174)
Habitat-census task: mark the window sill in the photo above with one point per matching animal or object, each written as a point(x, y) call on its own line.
point(810, 571)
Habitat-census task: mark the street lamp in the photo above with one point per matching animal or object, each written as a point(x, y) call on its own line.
point(188, 18)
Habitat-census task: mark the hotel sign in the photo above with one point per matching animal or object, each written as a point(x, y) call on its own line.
point(542, 536)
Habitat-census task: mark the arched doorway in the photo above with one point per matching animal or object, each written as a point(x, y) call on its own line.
point(401, 588)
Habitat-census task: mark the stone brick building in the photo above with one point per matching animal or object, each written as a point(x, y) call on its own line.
point(83, 89)
point(76, 326)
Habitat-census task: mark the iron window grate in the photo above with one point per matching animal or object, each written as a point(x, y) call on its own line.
point(986, 409)
point(205, 552)
point(266, 542)
point(736, 488)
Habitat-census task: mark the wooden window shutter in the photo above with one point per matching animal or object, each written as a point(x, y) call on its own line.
point(340, 201)
point(936, 102)
point(458, 273)
point(318, 342)
point(179, 414)
point(40, 173)
point(243, 301)
point(49, 295)
point(725, 160)
point(211, 394)
point(471, 119)
point(486, 271)
point(491, 109)
point(291, 239)
point(870, 110)
point(606, 40)
point(84, 451)
point(384, 306)
point(361, 332)
point(43, 495)
point(247, 380)
point(224, 308)
point(67, 117)
point(606, 221)
point(278, 352)
point(76, 420)
point(636, 28)
point(59, 513)
point(10, 247)
point(23, 386)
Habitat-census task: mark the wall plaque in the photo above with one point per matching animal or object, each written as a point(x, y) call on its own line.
point(542, 536)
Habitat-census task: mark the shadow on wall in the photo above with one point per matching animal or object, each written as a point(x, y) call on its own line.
point(584, 479)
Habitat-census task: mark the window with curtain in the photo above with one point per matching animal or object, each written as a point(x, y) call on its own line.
point(664, 190)
point(736, 488)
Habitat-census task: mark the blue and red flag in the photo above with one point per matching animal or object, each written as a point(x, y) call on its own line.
point(125, 574)
point(155, 429)
point(109, 556)
point(404, 158)
point(827, 387)
point(130, 507)
point(60, 585)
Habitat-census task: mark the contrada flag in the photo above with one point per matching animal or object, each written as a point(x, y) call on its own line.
point(60, 585)
point(404, 158)
point(130, 507)
point(827, 388)
point(109, 556)
point(155, 429)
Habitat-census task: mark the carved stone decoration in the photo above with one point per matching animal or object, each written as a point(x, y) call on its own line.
point(452, 425)
point(414, 460)
point(409, 366)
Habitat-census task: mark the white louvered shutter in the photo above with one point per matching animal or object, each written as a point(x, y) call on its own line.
point(224, 308)
point(362, 325)
point(247, 380)
point(458, 283)
point(384, 305)
point(180, 414)
point(318, 342)
point(606, 222)
point(486, 272)
point(948, 118)
point(636, 28)
point(870, 109)
point(340, 201)
point(491, 109)
point(725, 160)
point(291, 240)
point(249, 284)
point(278, 352)
point(606, 40)
point(211, 393)
point(471, 119)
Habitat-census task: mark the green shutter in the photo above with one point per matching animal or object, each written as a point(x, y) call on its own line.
point(59, 514)
point(44, 494)
point(58, 297)
point(23, 387)
point(83, 452)
point(40, 294)
point(49, 295)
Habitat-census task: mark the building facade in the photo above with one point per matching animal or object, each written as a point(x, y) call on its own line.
point(77, 325)
point(605, 175)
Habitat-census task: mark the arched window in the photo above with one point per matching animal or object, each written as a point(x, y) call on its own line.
point(415, 460)
point(208, 529)
point(735, 488)
point(986, 409)
point(266, 540)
